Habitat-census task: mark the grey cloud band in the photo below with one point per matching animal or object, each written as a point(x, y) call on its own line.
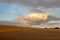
point(36, 3)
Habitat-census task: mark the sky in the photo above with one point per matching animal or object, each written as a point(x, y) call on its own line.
point(10, 9)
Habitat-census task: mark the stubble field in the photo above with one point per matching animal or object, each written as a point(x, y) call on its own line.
point(24, 33)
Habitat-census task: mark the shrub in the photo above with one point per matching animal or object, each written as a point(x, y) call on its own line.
point(46, 28)
point(56, 28)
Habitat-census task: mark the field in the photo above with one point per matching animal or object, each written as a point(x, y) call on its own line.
point(21, 33)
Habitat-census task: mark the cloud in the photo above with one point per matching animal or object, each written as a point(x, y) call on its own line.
point(33, 18)
point(52, 18)
point(38, 10)
point(37, 18)
point(37, 6)
point(36, 3)
point(45, 3)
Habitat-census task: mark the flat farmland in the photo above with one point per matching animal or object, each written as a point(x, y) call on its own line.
point(23, 33)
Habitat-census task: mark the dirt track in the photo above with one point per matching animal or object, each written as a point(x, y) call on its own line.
point(20, 33)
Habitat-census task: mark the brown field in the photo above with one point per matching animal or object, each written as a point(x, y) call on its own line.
point(21, 33)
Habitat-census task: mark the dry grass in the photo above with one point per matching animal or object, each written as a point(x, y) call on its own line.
point(21, 33)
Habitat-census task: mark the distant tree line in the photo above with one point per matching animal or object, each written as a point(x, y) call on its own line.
point(53, 28)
